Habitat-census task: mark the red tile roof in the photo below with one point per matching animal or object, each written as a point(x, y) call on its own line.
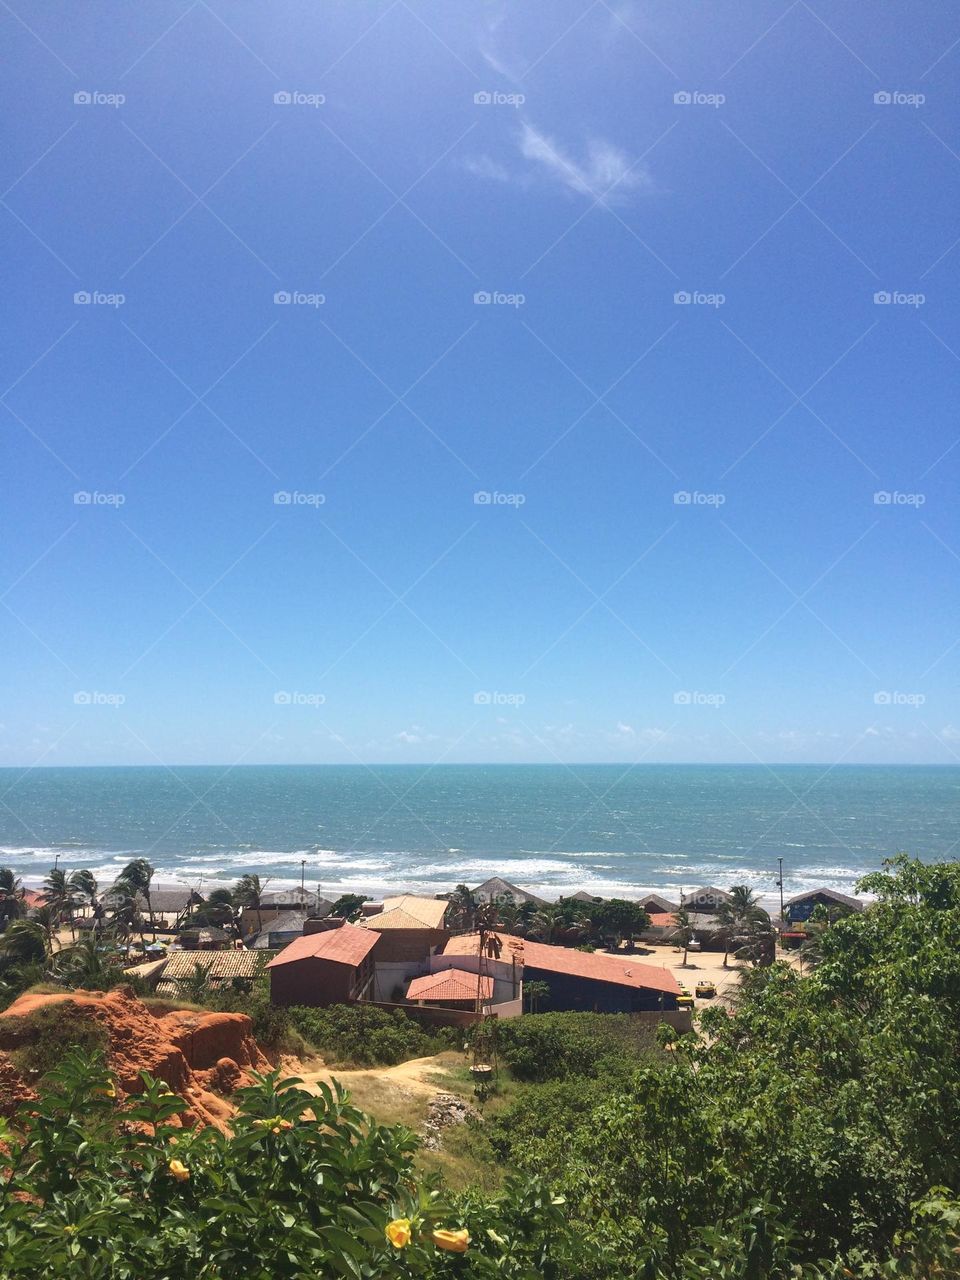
point(623, 972)
point(346, 945)
point(662, 919)
point(451, 984)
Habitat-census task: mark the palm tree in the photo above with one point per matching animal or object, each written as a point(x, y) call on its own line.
point(726, 922)
point(535, 992)
point(83, 965)
point(84, 885)
point(60, 898)
point(136, 876)
point(219, 910)
point(248, 892)
point(549, 921)
point(743, 901)
point(26, 942)
point(11, 896)
point(683, 931)
point(127, 916)
point(463, 907)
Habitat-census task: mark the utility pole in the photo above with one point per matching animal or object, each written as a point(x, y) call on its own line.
point(780, 885)
point(303, 864)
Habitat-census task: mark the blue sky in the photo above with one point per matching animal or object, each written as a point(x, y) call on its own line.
point(386, 167)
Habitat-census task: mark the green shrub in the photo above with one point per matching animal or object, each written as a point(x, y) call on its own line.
point(305, 1186)
point(559, 1046)
point(44, 1036)
point(273, 1027)
point(358, 1034)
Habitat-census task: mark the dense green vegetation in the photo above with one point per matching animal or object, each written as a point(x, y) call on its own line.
point(811, 1133)
point(346, 1035)
point(360, 1036)
point(562, 1046)
point(93, 1193)
point(823, 1110)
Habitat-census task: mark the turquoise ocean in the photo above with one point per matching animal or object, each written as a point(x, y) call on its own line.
point(609, 829)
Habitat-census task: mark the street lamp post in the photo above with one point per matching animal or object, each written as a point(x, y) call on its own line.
point(303, 864)
point(780, 885)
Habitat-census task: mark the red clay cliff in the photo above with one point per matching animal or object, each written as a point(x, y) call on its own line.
point(201, 1056)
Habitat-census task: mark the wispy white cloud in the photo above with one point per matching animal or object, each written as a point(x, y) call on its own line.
point(604, 170)
point(486, 167)
point(604, 173)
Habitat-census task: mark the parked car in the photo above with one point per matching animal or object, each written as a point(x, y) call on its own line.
point(706, 990)
point(684, 999)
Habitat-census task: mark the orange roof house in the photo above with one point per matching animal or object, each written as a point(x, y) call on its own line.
point(451, 986)
point(411, 928)
point(579, 979)
point(335, 967)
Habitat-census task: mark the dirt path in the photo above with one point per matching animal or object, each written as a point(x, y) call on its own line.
point(410, 1075)
point(393, 1094)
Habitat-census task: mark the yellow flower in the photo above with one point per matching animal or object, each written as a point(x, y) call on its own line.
point(108, 1090)
point(179, 1170)
point(286, 1124)
point(71, 1229)
point(452, 1241)
point(398, 1232)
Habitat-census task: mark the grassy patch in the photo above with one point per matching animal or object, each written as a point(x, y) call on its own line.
point(40, 1039)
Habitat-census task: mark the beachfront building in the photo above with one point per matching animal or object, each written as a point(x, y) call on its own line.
point(656, 904)
point(577, 980)
point(502, 893)
point(411, 930)
point(801, 908)
point(706, 901)
point(706, 927)
point(307, 901)
point(331, 967)
point(175, 974)
point(208, 937)
point(279, 930)
point(452, 989)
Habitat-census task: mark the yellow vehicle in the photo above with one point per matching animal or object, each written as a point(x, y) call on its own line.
point(684, 999)
point(706, 990)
